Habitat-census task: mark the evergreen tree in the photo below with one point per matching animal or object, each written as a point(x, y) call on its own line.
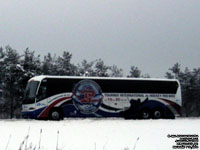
point(2, 55)
point(101, 70)
point(86, 68)
point(2, 100)
point(64, 65)
point(175, 72)
point(135, 72)
point(115, 71)
point(31, 63)
point(49, 66)
point(190, 87)
point(10, 78)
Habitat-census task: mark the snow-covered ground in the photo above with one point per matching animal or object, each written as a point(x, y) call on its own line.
point(95, 134)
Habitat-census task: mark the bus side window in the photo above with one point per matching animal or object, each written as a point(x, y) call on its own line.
point(41, 93)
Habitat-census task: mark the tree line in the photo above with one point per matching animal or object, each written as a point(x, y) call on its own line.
point(17, 69)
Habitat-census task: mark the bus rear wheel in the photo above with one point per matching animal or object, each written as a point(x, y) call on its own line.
point(145, 114)
point(55, 114)
point(157, 114)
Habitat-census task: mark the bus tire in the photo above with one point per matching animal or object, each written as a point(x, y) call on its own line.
point(157, 113)
point(55, 114)
point(145, 114)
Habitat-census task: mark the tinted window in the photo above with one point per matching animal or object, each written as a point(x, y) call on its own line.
point(30, 92)
point(1, 94)
point(55, 86)
point(138, 86)
point(42, 92)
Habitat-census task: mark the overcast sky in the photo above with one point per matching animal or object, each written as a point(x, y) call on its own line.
point(150, 34)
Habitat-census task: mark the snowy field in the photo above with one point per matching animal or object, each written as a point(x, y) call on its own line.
point(94, 134)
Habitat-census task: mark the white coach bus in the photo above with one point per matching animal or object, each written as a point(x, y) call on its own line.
point(56, 97)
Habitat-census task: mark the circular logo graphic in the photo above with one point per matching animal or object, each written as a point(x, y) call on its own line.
point(87, 96)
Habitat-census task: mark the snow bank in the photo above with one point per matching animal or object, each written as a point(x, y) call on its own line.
point(96, 134)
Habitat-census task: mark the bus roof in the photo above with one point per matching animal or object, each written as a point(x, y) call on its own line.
point(41, 77)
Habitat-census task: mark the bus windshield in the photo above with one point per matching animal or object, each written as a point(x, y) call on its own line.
point(30, 92)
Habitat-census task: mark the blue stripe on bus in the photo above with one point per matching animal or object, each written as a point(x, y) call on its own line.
point(32, 114)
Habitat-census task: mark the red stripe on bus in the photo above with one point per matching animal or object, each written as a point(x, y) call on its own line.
point(174, 105)
point(45, 112)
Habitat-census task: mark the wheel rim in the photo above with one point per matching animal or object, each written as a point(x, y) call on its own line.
point(145, 114)
point(157, 114)
point(55, 115)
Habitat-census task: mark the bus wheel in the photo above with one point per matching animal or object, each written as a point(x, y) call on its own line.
point(145, 114)
point(157, 114)
point(55, 114)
